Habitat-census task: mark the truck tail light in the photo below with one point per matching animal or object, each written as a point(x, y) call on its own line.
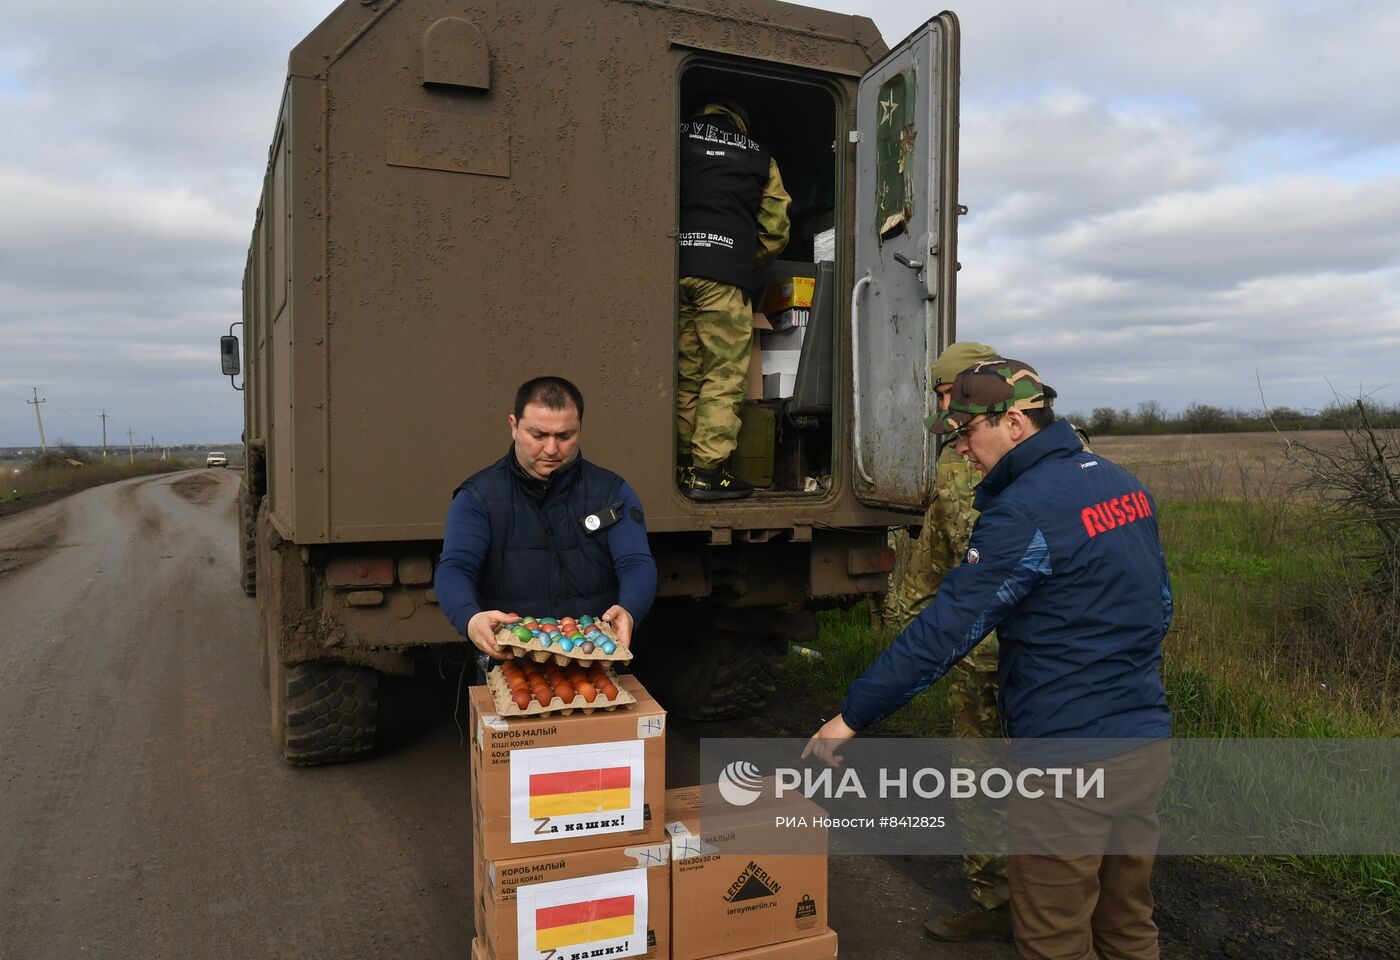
point(360, 572)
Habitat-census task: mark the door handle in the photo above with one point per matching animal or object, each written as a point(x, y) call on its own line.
point(856, 438)
point(911, 264)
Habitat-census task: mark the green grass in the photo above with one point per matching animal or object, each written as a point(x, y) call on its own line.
point(1270, 639)
point(848, 644)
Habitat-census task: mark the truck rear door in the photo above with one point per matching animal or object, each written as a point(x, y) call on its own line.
point(902, 302)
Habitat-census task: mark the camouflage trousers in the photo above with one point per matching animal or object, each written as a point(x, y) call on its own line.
point(972, 704)
point(920, 566)
point(715, 331)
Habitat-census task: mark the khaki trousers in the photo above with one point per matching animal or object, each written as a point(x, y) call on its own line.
point(713, 340)
point(1089, 894)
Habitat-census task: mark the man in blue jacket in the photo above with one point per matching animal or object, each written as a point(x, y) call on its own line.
point(1066, 564)
point(544, 532)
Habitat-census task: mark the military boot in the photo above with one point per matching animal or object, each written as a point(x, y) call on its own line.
point(700, 483)
point(978, 923)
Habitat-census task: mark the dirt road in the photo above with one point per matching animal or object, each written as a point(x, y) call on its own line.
point(143, 813)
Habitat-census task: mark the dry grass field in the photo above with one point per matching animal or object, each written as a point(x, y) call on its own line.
point(1216, 466)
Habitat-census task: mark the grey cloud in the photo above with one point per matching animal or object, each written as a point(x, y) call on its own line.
point(1035, 164)
point(1229, 234)
point(1140, 340)
point(1328, 67)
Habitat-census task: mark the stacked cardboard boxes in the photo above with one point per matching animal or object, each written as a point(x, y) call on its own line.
point(572, 856)
point(788, 301)
point(745, 904)
point(787, 306)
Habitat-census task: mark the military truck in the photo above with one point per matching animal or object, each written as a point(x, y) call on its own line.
point(461, 195)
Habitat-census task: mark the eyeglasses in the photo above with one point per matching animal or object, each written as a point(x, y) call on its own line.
point(966, 428)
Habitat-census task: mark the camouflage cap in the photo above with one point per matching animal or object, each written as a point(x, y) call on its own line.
point(735, 109)
point(992, 386)
point(957, 357)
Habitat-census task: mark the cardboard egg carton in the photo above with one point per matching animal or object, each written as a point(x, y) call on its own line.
point(540, 653)
point(505, 706)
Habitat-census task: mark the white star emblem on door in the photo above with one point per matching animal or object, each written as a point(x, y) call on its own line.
point(887, 109)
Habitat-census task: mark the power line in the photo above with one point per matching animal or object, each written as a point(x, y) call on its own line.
point(38, 419)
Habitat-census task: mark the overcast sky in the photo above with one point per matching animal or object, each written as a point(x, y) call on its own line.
point(1166, 199)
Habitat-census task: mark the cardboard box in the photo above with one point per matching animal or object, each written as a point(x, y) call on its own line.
point(787, 319)
point(789, 339)
point(722, 902)
point(779, 386)
point(755, 386)
point(758, 444)
point(615, 900)
point(551, 784)
point(791, 291)
point(820, 947)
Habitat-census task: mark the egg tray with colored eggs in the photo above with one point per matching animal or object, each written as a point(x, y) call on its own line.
point(586, 639)
point(524, 688)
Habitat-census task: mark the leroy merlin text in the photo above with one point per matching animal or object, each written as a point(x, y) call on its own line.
point(958, 783)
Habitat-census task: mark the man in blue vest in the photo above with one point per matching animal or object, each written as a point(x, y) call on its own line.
point(1066, 564)
point(733, 218)
point(544, 532)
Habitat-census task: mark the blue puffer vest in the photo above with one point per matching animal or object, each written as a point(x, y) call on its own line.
point(541, 561)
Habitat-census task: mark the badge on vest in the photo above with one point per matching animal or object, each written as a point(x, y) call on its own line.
point(602, 519)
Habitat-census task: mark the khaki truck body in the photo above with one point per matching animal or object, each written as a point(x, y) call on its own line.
point(462, 195)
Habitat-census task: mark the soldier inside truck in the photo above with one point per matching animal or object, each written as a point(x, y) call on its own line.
point(786, 425)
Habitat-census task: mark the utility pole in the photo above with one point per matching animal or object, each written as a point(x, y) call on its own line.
point(152, 447)
point(38, 419)
point(104, 435)
point(130, 450)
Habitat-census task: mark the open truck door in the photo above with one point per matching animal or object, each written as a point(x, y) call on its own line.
point(903, 298)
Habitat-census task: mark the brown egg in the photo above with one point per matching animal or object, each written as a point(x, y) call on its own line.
point(608, 690)
point(587, 691)
point(521, 698)
point(564, 691)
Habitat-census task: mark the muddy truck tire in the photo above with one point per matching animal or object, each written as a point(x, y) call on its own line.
point(322, 712)
point(699, 669)
point(247, 543)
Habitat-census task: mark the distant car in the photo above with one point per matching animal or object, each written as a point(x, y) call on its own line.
point(215, 459)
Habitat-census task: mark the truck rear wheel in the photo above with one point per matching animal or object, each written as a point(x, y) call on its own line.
point(247, 543)
point(322, 712)
point(700, 671)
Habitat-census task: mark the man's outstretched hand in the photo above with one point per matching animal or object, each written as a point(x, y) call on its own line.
point(826, 741)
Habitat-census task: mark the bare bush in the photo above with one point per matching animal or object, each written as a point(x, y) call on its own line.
point(1359, 483)
point(1361, 479)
